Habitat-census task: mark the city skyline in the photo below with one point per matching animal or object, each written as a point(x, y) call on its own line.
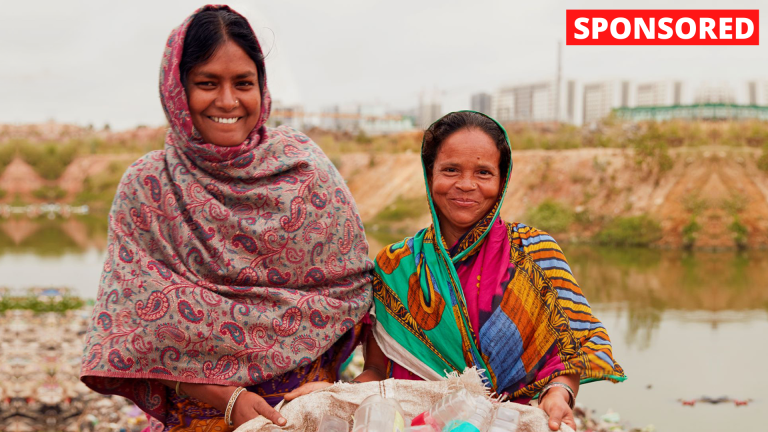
point(92, 63)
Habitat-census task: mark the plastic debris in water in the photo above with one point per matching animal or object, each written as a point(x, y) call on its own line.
point(611, 417)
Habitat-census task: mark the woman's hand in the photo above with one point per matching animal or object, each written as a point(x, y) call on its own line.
point(555, 404)
point(306, 389)
point(249, 405)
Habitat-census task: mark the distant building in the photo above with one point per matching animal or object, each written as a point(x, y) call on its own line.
point(376, 119)
point(373, 119)
point(536, 102)
point(428, 113)
point(481, 102)
point(714, 94)
point(340, 118)
point(658, 93)
point(570, 102)
point(693, 112)
point(600, 98)
point(282, 114)
point(758, 92)
point(525, 103)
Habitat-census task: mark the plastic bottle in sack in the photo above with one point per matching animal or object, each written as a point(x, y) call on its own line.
point(330, 423)
point(504, 420)
point(378, 414)
point(477, 421)
point(455, 407)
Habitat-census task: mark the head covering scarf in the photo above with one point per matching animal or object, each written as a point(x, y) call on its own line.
point(225, 265)
point(486, 302)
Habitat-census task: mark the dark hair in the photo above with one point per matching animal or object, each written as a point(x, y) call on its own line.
point(440, 130)
point(210, 29)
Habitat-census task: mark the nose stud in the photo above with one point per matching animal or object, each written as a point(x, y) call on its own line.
point(237, 102)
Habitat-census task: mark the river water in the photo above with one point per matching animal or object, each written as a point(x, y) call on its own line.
point(684, 325)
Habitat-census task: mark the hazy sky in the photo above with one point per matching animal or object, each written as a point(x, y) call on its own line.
point(97, 62)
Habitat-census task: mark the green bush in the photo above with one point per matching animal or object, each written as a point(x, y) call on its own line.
point(40, 306)
point(630, 231)
point(690, 232)
point(762, 161)
point(740, 232)
point(652, 146)
point(363, 138)
point(49, 159)
point(7, 153)
point(550, 216)
point(735, 204)
point(99, 190)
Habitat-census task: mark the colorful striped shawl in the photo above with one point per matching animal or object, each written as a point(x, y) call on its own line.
point(524, 325)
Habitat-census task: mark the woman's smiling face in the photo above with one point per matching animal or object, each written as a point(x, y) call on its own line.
point(224, 96)
point(465, 180)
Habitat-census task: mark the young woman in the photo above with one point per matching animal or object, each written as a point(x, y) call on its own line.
point(473, 290)
point(237, 265)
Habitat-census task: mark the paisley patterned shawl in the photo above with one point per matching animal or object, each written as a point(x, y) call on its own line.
point(224, 265)
point(502, 299)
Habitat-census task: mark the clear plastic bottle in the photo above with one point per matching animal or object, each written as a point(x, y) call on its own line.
point(379, 414)
point(330, 423)
point(504, 420)
point(477, 421)
point(449, 411)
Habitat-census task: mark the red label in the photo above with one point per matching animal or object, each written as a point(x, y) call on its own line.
point(662, 27)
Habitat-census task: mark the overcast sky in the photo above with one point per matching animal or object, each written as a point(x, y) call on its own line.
point(97, 62)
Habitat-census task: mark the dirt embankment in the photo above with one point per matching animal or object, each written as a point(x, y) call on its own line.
point(706, 196)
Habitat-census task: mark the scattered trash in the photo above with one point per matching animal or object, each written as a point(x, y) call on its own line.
point(40, 388)
point(715, 401)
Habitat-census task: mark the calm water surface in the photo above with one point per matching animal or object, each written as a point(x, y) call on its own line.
point(683, 325)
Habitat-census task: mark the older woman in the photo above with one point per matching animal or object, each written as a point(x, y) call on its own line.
point(237, 265)
point(473, 290)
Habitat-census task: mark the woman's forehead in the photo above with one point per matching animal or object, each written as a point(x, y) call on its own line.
point(468, 143)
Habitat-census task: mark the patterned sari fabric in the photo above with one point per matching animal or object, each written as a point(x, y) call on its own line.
point(502, 299)
point(242, 265)
point(191, 414)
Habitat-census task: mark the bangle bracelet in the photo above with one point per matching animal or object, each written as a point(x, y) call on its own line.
point(178, 390)
point(231, 404)
point(571, 396)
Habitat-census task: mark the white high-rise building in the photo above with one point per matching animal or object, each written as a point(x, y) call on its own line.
point(428, 113)
point(659, 93)
point(600, 98)
point(481, 102)
point(758, 92)
point(527, 103)
point(536, 102)
point(714, 94)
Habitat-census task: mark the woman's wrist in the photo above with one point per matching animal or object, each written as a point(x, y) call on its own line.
point(558, 392)
point(214, 395)
point(564, 390)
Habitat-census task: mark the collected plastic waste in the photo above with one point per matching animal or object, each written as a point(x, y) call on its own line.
point(477, 421)
point(379, 414)
point(454, 408)
point(504, 420)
